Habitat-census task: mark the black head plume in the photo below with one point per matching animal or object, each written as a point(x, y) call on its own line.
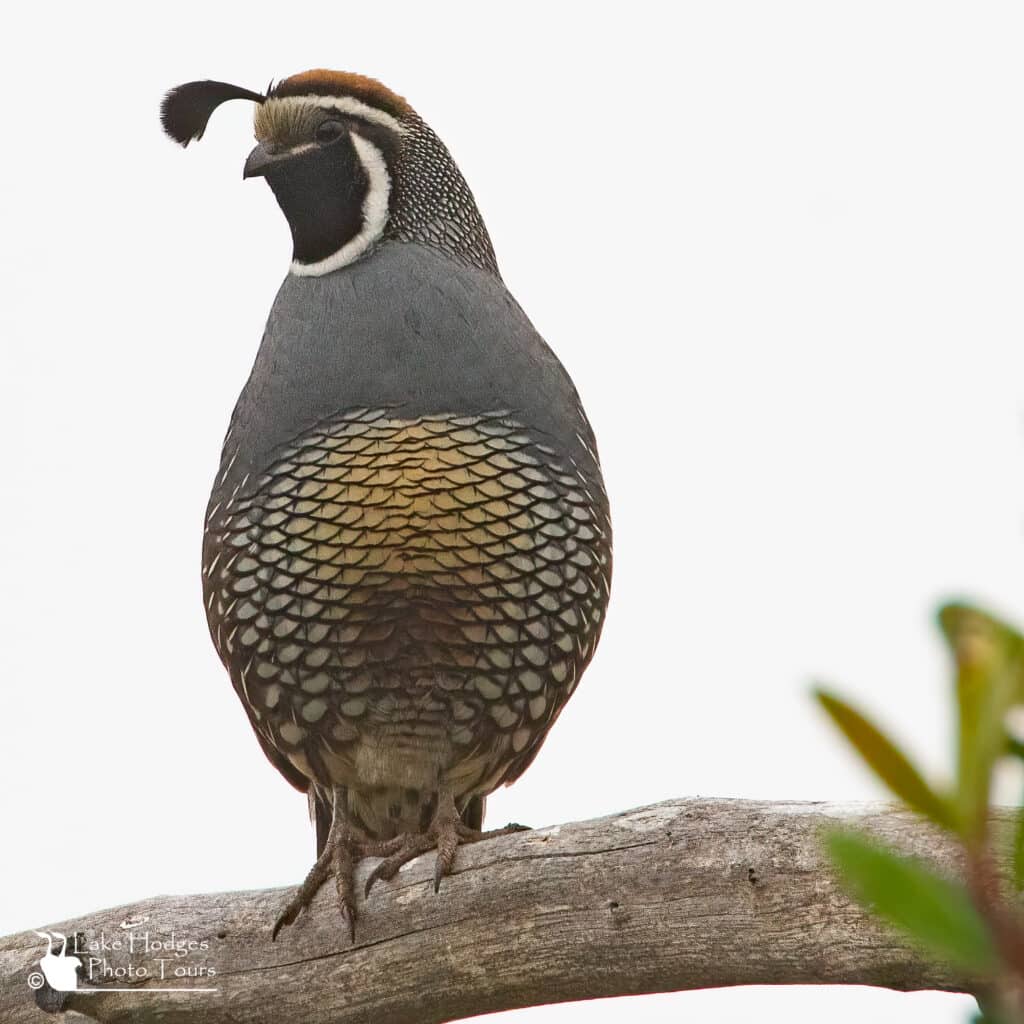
point(187, 108)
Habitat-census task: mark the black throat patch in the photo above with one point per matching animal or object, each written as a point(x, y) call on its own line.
point(322, 195)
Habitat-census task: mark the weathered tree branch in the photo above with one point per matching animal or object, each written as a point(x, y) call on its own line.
point(680, 895)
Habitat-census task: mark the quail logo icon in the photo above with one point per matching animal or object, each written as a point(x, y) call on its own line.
point(59, 970)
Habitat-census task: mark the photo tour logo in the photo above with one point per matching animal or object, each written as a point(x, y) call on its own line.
point(123, 963)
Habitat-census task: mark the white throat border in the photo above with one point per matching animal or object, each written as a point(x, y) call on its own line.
point(375, 213)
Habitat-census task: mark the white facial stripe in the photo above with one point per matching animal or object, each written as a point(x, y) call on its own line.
point(303, 147)
point(344, 105)
point(375, 213)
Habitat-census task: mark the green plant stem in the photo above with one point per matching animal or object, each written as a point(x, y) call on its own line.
point(1003, 917)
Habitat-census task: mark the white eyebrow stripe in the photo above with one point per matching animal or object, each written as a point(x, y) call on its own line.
point(344, 105)
point(302, 147)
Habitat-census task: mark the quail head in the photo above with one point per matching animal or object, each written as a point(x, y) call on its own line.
point(407, 552)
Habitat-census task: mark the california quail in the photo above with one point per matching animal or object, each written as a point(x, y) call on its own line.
point(407, 553)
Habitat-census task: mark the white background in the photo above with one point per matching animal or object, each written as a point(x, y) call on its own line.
point(779, 247)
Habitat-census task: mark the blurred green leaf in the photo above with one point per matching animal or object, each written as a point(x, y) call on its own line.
point(988, 656)
point(936, 913)
point(974, 636)
point(889, 763)
point(1015, 747)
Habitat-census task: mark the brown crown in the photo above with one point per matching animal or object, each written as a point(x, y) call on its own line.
point(320, 82)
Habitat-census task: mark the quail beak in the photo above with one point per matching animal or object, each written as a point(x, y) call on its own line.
point(263, 159)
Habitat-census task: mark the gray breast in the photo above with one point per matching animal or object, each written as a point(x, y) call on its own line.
point(409, 330)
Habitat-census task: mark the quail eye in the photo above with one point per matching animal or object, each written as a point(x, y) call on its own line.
point(328, 131)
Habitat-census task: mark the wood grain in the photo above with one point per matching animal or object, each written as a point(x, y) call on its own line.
point(679, 895)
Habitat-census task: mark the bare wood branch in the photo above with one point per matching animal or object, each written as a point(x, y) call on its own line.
point(679, 895)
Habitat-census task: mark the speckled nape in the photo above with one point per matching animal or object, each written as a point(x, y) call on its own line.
point(433, 205)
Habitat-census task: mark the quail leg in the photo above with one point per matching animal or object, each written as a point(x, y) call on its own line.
point(444, 834)
point(346, 845)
